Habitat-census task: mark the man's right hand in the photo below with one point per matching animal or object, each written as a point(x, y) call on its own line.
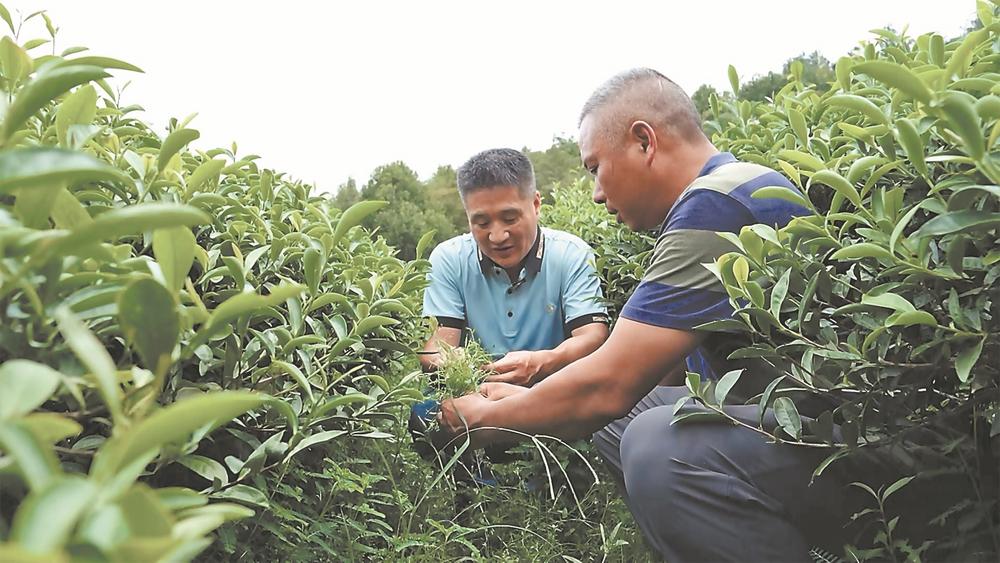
point(494, 390)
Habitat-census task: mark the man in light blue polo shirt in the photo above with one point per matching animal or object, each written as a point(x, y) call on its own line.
point(529, 295)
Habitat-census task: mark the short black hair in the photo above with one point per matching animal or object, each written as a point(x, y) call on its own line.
point(646, 94)
point(497, 167)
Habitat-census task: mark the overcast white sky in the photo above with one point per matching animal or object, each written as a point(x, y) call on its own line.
point(330, 90)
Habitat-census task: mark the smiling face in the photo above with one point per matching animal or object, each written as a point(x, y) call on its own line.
point(622, 175)
point(503, 222)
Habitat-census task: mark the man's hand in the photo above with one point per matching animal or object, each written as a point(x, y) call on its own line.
point(495, 391)
point(460, 415)
point(519, 368)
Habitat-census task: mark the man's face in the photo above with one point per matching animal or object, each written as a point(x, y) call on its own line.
point(503, 222)
point(621, 176)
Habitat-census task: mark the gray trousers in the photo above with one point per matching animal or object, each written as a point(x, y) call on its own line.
point(711, 491)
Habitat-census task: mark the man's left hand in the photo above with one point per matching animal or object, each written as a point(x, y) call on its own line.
point(519, 368)
point(461, 415)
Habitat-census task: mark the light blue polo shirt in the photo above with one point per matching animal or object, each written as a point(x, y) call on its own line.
point(557, 292)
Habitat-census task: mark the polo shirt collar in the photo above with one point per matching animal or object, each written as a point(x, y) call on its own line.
point(716, 161)
point(532, 263)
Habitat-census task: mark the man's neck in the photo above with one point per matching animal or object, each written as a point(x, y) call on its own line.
point(514, 273)
point(684, 167)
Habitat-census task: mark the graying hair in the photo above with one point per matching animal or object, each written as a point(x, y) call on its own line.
point(644, 94)
point(497, 168)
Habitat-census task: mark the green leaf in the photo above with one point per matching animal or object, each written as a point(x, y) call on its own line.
point(896, 486)
point(296, 374)
point(103, 62)
point(988, 107)
point(26, 168)
point(5, 16)
point(174, 249)
point(340, 401)
point(15, 63)
point(839, 185)
point(318, 438)
point(888, 301)
point(782, 193)
point(741, 270)
point(936, 50)
point(94, 357)
point(286, 411)
point(693, 382)
point(958, 222)
point(424, 242)
point(35, 461)
point(67, 211)
point(130, 220)
point(862, 250)
point(779, 293)
point(206, 467)
point(962, 119)
point(966, 360)
point(207, 172)
point(698, 416)
point(734, 80)
point(353, 217)
point(147, 315)
point(862, 165)
point(798, 123)
point(371, 323)
point(327, 299)
point(171, 425)
point(896, 76)
point(958, 62)
point(788, 417)
point(79, 108)
point(912, 144)
point(45, 520)
point(245, 494)
point(50, 427)
point(313, 262)
point(909, 318)
point(860, 105)
point(43, 89)
point(843, 72)
point(826, 463)
point(173, 144)
point(145, 515)
point(725, 385)
point(180, 498)
point(34, 43)
point(26, 385)
point(765, 398)
point(803, 159)
point(244, 303)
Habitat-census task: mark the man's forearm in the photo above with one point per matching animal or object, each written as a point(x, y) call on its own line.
point(571, 350)
point(430, 360)
point(571, 404)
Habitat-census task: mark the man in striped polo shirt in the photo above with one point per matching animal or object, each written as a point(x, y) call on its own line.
point(699, 492)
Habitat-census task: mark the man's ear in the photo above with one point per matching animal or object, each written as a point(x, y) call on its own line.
point(643, 134)
point(537, 203)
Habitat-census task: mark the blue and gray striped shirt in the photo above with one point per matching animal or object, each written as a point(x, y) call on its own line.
point(677, 290)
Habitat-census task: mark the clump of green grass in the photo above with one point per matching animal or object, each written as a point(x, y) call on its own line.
point(462, 369)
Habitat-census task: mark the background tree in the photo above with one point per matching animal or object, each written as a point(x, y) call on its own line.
point(442, 189)
point(410, 212)
point(347, 194)
point(558, 164)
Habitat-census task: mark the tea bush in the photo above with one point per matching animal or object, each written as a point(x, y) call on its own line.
point(188, 340)
point(881, 305)
point(180, 328)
